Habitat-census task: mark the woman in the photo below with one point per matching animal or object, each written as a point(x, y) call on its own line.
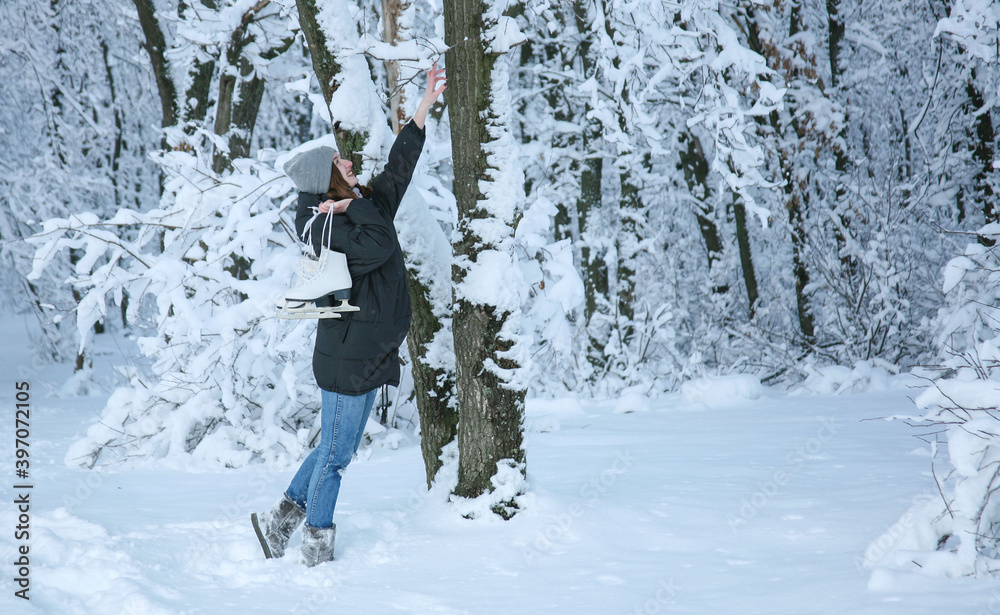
point(355, 354)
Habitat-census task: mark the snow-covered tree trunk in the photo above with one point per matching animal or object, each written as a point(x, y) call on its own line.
point(785, 126)
point(433, 378)
point(201, 63)
point(155, 44)
point(241, 86)
point(394, 31)
point(490, 353)
point(592, 263)
point(694, 164)
point(345, 81)
point(985, 152)
point(588, 203)
point(747, 268)
point(836, 28)
point(631, 165)
point(427, 252)
point(324, 60)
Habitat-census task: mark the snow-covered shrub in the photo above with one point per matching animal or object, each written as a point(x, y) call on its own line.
point(554, 291)
point(227, 381)
point(958, 534)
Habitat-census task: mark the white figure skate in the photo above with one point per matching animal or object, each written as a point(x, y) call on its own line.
point(318, 278)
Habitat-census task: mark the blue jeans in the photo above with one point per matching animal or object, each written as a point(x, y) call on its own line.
point(342, 425)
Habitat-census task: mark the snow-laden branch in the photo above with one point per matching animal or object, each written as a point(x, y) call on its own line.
point(201, 274)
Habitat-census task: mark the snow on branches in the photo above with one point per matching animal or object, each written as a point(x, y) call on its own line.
point(976, 25)
point(201, 276)
point(958, 533)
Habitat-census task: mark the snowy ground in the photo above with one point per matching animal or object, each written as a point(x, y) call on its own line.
point(709, 503)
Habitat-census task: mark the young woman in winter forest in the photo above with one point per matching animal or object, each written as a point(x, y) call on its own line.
point(355, 354)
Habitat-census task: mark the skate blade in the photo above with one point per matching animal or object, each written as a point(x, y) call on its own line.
point(304, 313)
point(302, 303)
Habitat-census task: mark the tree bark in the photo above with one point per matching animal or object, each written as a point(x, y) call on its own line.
point(695, 166)
point(797, 204)
point(324, 63)
point(240, 95)
point(984, 152)
point(630, 210)
point(490, 411)
point(595, 271)
point(196, 101)
point(790, 137)
point(434, 388)
point(155, 46)
point(746, 257)
point(836, 26)
point(391, 10)
point(592, 264)
point(795, 207)
point(327, 68)
point(490, 414)
point(116, 150)
point(195, 106)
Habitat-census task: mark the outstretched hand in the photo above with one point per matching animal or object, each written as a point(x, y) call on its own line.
point(436, 84)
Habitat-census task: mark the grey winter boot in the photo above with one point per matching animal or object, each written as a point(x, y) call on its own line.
point(276, 525)
point(317, 544)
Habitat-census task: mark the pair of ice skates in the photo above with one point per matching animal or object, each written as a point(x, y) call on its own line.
point(318, 278)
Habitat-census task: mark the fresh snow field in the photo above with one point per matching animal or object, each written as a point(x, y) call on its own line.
point(724, 498)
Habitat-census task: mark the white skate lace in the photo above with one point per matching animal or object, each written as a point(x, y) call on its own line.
point(308, 252)
point(307, 231)
point(307, 275)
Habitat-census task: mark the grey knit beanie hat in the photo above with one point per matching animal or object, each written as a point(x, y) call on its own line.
point(310, 169)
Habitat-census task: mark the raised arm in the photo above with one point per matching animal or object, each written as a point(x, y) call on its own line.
point(391, 184)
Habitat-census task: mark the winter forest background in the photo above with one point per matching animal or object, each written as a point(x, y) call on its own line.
point(669, 191)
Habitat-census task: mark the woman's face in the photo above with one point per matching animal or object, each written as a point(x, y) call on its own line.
point(345, 167)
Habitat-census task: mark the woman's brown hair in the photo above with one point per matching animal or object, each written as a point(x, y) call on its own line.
point(340, 189)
